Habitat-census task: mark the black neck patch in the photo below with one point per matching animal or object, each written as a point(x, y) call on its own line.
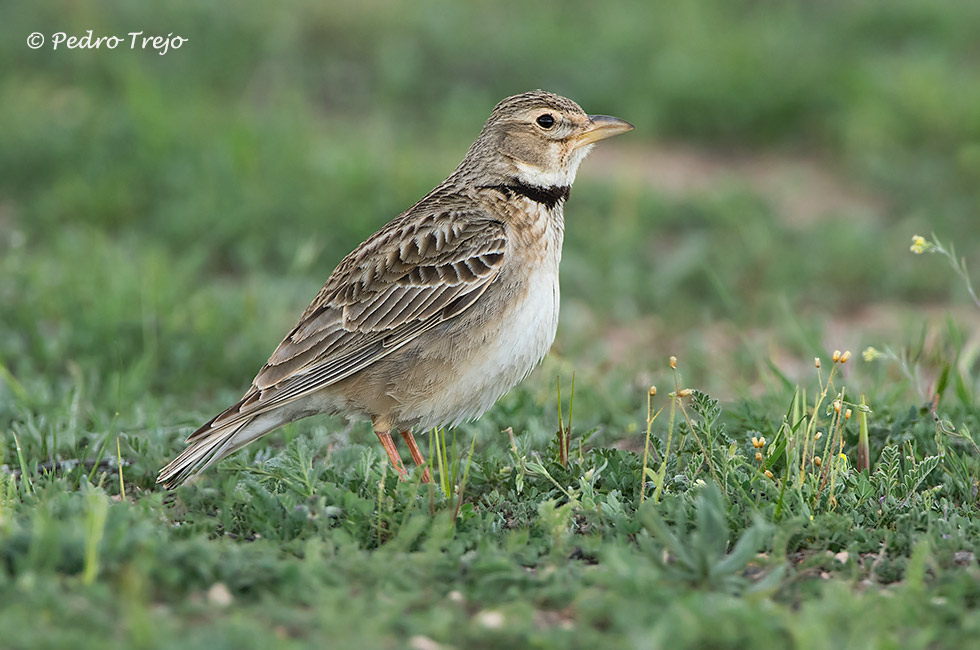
point(546, 196)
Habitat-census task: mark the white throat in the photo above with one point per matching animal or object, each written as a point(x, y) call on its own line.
point(562, 177)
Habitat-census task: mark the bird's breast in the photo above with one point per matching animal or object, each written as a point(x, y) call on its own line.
point(497, 342)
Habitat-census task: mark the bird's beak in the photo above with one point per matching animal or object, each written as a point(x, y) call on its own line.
point(601, 127)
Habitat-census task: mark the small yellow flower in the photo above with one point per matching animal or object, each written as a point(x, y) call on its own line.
point(673, 362)
point(755, 442)
point(817, 461)
point(762, 442)
point(919, 245)
point(847, 414)
point(836, 356)
point(758, 456)
point(837, 406)
point(653, 391)
point(870, 353)
point(818, 436)
point(768, 474)
point(844, 357)
point(684, 392)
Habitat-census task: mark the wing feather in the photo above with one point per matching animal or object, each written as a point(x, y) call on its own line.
point(406, 279)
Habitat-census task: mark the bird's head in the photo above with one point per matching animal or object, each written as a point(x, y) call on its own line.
point(536, 138)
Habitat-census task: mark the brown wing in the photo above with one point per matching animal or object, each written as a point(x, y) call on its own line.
point(406, 279)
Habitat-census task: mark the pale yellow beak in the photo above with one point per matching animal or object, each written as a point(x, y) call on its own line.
point(602, 127)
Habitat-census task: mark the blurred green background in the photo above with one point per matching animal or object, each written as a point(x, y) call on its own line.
point(164, 219)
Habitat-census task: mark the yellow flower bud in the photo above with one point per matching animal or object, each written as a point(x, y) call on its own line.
point(919, 244)
point(768, 474)
point(836, 356)
point(817, 461)
point(847, 414)
point(684, 392)
point(844, 357)
point(653, 391)
point(758, 456)
point(673, 362)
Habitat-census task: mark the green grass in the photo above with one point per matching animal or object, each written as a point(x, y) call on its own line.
point(164, 219)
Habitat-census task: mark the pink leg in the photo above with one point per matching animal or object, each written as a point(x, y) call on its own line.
point(389, 445)
point(416, 454)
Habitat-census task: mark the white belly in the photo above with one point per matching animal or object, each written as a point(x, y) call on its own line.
point(515, 345)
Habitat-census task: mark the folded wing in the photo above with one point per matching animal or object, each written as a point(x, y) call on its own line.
point(405, 280)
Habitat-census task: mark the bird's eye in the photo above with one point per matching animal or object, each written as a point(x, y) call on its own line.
point(546, 121)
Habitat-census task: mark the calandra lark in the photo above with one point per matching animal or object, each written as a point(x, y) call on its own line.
point(440, 312)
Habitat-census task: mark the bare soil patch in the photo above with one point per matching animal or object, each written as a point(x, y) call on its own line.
point(801, 189)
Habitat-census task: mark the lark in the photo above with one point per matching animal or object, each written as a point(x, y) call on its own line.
point(442, 311)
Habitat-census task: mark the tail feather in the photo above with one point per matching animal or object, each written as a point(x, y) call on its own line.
point(212, 442)
point(200, 455)
point(207, 449)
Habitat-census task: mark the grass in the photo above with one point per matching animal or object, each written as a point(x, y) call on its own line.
point(164, 219)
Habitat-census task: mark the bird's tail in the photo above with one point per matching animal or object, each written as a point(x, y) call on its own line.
point(209, 445)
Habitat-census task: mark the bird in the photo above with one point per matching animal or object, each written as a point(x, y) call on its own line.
point(443, 310)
